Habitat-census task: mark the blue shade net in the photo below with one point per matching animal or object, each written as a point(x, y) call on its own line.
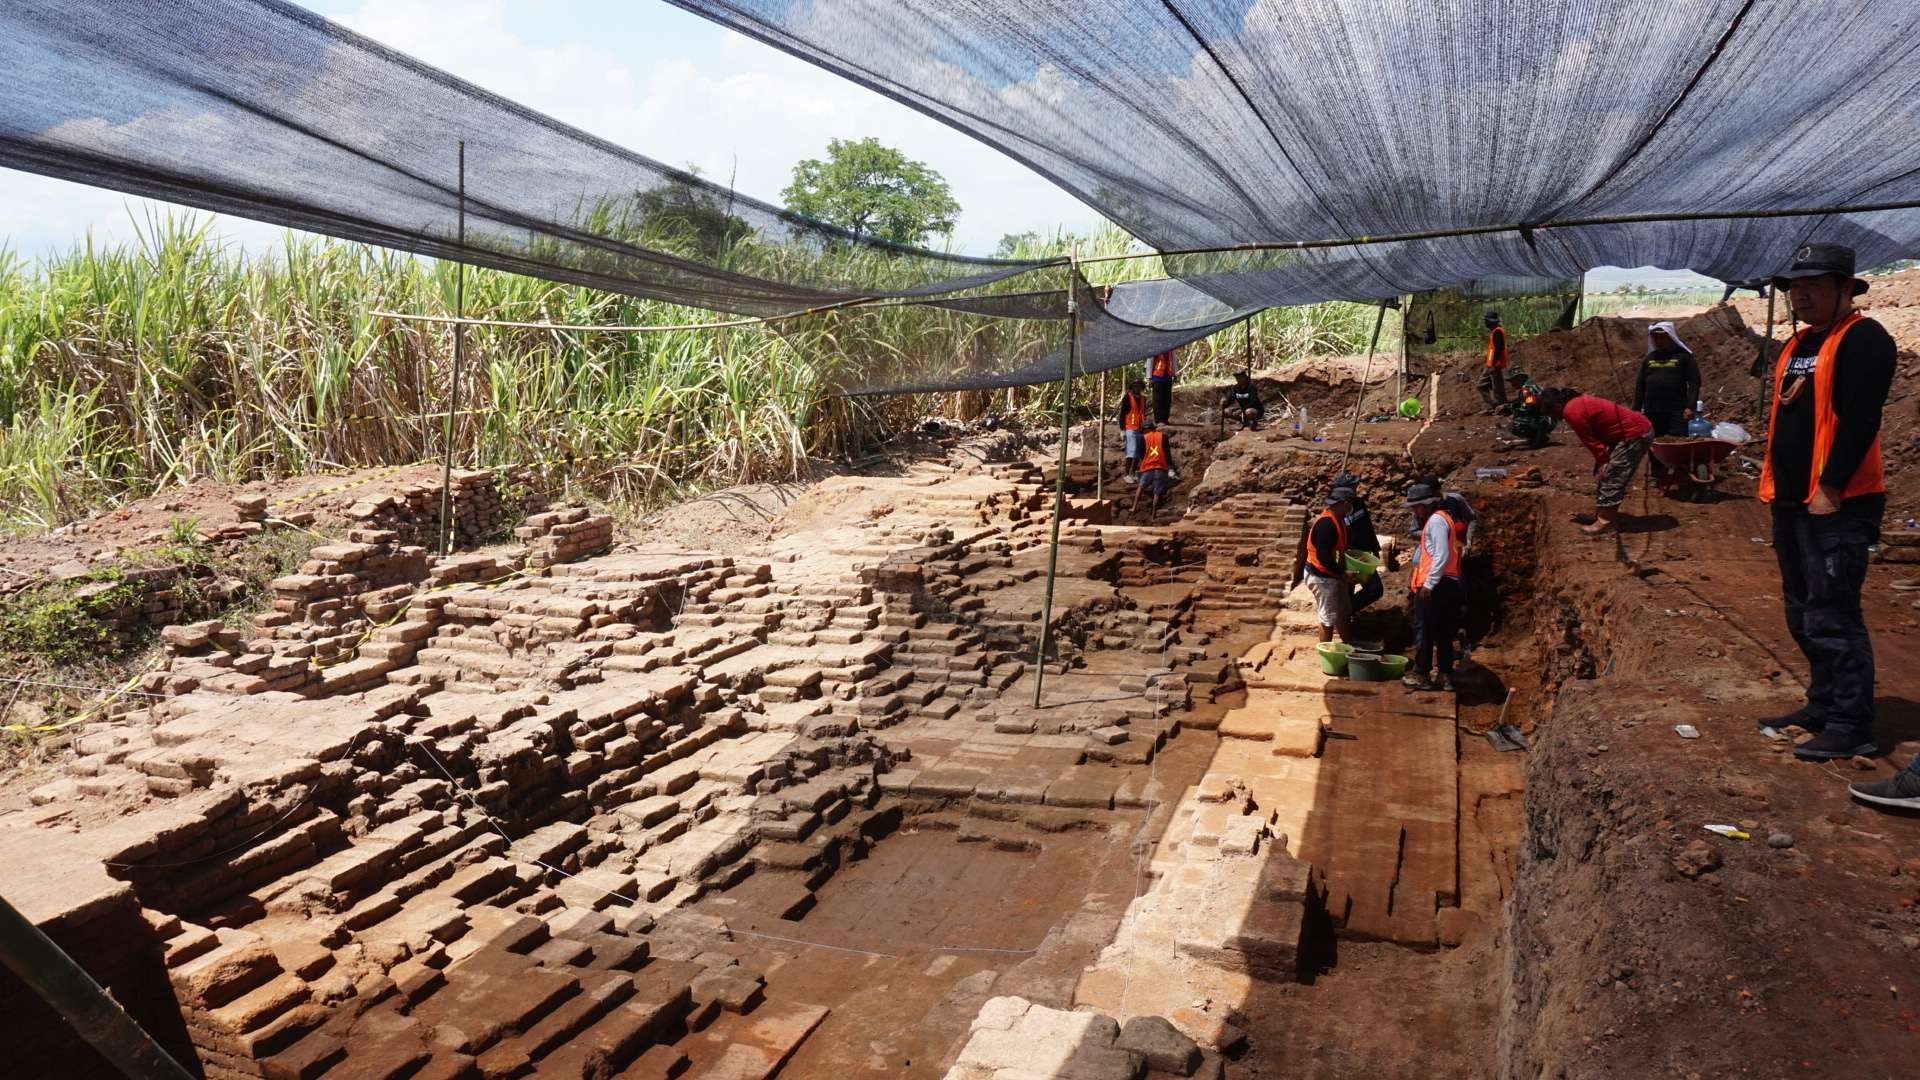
point(1202, 124)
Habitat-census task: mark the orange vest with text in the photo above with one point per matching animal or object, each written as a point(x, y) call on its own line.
point(1340, 545)
point(1422, 568)
point(1162, 366)
point(1134, 413)
point(1154, 454)
point(1870, 478)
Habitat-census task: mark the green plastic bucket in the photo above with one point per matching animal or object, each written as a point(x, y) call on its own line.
point(1333, 656)
point(1362, 564)
point(1393, 664)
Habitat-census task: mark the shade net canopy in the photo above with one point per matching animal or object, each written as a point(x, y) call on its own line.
point(1206, 123)
point(1454, 319)
point(265, 110)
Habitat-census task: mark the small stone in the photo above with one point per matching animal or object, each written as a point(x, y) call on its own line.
point(1780, 840)
point(1864, 764)
point(1911, 941)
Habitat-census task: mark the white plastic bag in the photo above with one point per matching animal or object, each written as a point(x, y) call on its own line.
point(1728, 431)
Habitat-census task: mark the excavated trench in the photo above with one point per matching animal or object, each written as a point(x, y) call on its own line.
point(661, 815)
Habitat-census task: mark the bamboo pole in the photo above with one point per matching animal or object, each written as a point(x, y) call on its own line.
point(70, 991)
point(1400, 383)
point(1100, 451)
point(1360, 399)
point(459, 357)
point(1060, 474)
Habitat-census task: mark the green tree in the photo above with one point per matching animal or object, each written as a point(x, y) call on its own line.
point(1013, 243)
point(872, 191)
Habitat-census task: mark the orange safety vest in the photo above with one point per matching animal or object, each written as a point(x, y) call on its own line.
point(1870, 478)
point(1421, 568)
point(1340, 545)
point(1162, 366)
point(1497, 358)
point(1154, 455)
point(1133, 412)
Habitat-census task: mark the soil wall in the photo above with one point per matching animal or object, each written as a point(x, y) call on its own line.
point(1641, 944)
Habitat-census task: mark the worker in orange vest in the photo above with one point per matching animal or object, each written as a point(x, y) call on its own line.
point(1437, 593)
point(1824, 478)
point(1133, 414)
point(1493, 381)
point(1160, 377)
point(1156, 465)
point(1326, 572)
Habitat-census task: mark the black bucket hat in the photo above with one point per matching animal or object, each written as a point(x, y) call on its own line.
point(1821, 260)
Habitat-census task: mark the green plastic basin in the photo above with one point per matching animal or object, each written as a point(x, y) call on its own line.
point(1333, 656)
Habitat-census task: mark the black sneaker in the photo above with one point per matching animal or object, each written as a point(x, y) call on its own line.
point(1775, 727)
point(1901, 791)
point(1834, 745)
point(1414, 680)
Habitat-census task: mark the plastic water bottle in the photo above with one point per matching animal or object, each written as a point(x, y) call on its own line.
point(1700, 427)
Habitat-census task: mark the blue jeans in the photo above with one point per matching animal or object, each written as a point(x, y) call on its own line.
point(1373, 590)
point(1823, 564)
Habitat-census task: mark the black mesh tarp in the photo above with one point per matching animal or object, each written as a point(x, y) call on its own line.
point(265, 110)
point(1133, 321)
point(1453, 320)
point(1198, 123)
point(1194, 123)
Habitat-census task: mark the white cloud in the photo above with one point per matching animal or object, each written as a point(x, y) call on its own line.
point(744, 111)
point(748, 117)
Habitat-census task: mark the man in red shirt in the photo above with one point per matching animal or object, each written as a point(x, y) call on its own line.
point(1616, 436)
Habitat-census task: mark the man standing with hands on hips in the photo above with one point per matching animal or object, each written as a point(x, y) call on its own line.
point(1824, 480)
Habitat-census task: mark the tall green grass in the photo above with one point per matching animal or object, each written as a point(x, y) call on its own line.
point(130, 368)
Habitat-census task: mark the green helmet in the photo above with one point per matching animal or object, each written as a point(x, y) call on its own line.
point(1410, 408)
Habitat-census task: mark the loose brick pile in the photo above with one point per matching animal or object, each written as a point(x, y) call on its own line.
point(412, 509)
point(564, 535)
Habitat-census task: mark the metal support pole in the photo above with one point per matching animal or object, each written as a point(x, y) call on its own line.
point(1100, 477)
point(1060, 475)
point(1762, 364)
point(459, 356)
point(94, 1015)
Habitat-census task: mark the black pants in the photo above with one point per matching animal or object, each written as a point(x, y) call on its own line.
point(1436, 626)
point(1665, 422)
point(1823, 563)
point(1162, 399)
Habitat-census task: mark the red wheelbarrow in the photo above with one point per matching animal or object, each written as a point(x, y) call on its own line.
point(1690, 465)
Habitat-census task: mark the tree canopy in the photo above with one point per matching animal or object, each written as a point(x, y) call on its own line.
point(873, 191)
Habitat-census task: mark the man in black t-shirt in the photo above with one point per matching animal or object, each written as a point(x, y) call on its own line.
point(1242, 405)
point(1824, 479)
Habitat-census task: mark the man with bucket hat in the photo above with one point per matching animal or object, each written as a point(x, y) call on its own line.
point(1437, 591)
point(1824, 479)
